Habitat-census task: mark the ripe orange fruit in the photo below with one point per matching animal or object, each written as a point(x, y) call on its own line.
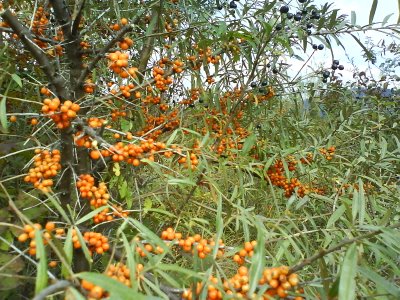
point(95, 154)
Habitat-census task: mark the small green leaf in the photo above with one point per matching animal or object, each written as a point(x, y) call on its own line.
point(353, 18)
point(17, 79)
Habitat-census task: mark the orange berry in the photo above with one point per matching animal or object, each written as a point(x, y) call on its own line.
point(23, 237)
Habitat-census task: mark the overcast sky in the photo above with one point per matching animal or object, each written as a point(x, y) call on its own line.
point(362, 10)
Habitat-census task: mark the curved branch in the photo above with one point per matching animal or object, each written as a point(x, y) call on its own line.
point(338, 247)
point(54, 288)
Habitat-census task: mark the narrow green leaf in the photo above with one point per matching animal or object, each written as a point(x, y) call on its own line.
point(258, 259)
point(17, 79)
point(380, 281)
point(131, 262)
point(3, 115)
point(335, 216)
point(41, 275)
point(75, 294)
point(69, 250)
point(372, 11)
point(149, 234)
point(353, 18)
point(347, 286)
point(90, 215)
point(248, 143)
point(187, 181)
point(117, 290)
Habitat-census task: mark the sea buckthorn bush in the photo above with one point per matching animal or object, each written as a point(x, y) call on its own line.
point(194, 150)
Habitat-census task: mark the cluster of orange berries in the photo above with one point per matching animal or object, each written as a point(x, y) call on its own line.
point(165, 122)
point(125, 43)
point(130, 153)
point(210, 79)
point(194, 95)
point(151, 99)
point(238, 286)
point(328, 153)
point(118, 272)
point(234, 134)
point(89, 86)
point(61, 114)
point(203, 55)
point(46, 166)
point(177, 66)
point(192, 162)
point(264, 96)
point(30, 231)
point(367, 187)
point(96, 122)
point(96, 242)
point(82, 140)
point(280, 282)
point(193, 244)
point(116, 113)
point(246, 251)
point(276, 174)
point(117, 26)
point(147, 248)
point(118, 62)
point(98, 196)
point(162, 81)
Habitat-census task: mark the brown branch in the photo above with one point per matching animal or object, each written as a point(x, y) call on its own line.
point(54, 288)
point(148, 45)
point(71, 46)
point(55, 80)
point(338, 247)
point(77, 17)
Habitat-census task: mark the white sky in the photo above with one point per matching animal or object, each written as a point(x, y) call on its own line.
point(354, 51)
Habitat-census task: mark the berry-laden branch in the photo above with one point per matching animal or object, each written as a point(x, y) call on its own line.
point(102, 53)
point(55, 80)
point(338, 247)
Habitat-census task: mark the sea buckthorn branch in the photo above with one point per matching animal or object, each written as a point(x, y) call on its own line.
point(26, 37)
point(338, 247)
point(148, 45)
point(120, 34)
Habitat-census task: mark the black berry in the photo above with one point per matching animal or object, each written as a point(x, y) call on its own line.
point(297, 17)
point(341, 67)
point(284, 9)
point(320, 47)
point(232, 4)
